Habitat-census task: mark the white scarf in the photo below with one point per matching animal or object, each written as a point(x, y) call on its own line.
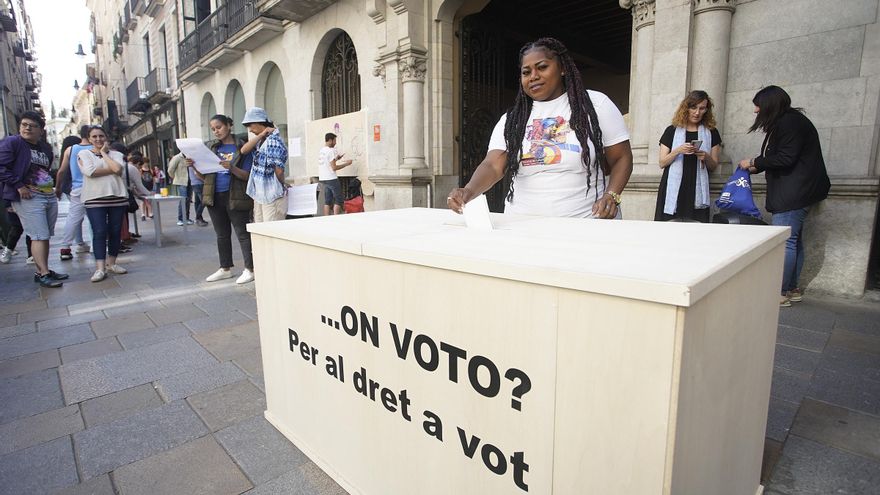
point(673, 182)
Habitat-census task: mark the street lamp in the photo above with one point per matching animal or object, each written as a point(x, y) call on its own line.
point(76, 84)
point(79, 51)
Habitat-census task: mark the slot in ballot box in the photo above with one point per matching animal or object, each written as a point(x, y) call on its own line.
point(406, 354)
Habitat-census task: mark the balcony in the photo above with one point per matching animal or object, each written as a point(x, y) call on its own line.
point(136, 94)
point(137, 7)
point(18, 49)
point(292, 10)
point(223, 37)
point(34, 96)
point(128, 21)
point(153, 7)
point(7, 19)
point(158, 89)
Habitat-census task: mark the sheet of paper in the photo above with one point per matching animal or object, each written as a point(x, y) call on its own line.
point(476, 214)
point(206, 162)
point(302, 200)
point(295, 148)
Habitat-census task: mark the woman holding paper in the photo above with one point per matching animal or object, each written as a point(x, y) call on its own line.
point(563, 150)
point(689, 149)
point(226, 197)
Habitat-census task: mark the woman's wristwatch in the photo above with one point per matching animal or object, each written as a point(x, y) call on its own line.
point(614, 196)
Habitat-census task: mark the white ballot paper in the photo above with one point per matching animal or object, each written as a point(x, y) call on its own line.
point(476, 214)
point(302, 200)
point(205, 161)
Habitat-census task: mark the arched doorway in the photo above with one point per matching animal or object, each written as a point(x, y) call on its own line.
point(235, 107)
point(597, 32)
point(340, 81)
point(208, 110)
point(270, 95)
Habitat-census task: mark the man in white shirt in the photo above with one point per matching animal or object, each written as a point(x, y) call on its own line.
point(329, 161)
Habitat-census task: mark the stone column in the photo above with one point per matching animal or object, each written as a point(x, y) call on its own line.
point(640, 79)
point(711, 51)
point(412, 68)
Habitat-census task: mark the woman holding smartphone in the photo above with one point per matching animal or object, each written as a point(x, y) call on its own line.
point(689, 149)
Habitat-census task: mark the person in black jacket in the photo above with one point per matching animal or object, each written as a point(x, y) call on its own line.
point(791, 159)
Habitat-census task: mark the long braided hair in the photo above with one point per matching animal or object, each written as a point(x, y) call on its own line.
point(583, 121)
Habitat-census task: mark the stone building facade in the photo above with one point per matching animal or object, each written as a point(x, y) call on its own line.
point(20, 78)
point(433, 76)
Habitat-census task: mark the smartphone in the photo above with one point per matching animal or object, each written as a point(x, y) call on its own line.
point(696, 143)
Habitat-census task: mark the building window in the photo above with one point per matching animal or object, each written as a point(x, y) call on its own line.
point(340, 82)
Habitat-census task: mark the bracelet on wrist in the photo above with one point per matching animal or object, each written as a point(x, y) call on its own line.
point(614, 196)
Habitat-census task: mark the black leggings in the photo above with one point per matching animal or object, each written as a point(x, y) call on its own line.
point(224, 220)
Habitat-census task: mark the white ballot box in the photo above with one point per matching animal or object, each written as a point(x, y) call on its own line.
point(406, 354)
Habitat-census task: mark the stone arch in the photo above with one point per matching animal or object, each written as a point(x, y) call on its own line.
point(235, 105)
point(271, 96)
point(317, 73)
point(207, 110)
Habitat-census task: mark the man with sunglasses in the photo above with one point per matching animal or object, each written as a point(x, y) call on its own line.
point(25, 182)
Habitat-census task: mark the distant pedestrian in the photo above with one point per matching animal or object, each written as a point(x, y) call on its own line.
point(178, 170)
point(228, 203)
point(329, 161)
point(70, 182)
point(792, 162)
point(266, 182)
point(25, 181)
point(149, 182)
point(196, 186)
point(106, 199)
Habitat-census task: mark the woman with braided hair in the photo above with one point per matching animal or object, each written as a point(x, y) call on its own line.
point(564, 150)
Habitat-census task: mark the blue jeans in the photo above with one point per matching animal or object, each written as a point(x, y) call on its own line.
point(197, 199)
point(794, 246)
point(106, 229)
point(183, 191)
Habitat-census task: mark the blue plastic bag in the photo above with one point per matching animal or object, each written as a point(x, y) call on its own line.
point(736, 195)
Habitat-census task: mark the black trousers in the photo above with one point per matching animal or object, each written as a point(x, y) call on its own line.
point(224, 220)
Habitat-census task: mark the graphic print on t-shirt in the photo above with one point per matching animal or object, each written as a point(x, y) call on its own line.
point(547, 138)
point(39, 178)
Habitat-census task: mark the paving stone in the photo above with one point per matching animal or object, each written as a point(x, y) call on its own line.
point(105, 447)
point(152, 336)
point(118, 371)
point(121, 324)
point(237, 301)
point(854, 341)
point(39, 469)
point(231, 343)
point(17, 330)
point(100, 485)
point(198, 380)
point(187, 297)
point(772, 453)
point(29, 394)
point(809, 317)
point(74, 297)
point(867, 323)
point(42, 314)
point(779, 418)
point(8, 320)
point(261, 451)
point(68, 321)
point(847, 391)
point(793, 359)
point(136, 306)
point(839, 427)
point(42, 341)
point(800, 338)
point(809, 468)
point(229, 404)
point(251, 363)
point(33, 430)
point(789, 386)
point(89, 350)
point(22, 307)
point(209, 471)
point(307, 479)
point(259, 382)
point(28, 363)
point(217, 321)
point(176, 314)
point(852, 363)
point(117, 405)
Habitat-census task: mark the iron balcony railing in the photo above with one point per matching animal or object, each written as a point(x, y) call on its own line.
point(212, 31)
point(240, 14)
point(189, 50)
point(136, 94)
point(157, 81)
point(224, 22)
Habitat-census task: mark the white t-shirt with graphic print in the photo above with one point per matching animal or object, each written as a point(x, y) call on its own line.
point(552, 180)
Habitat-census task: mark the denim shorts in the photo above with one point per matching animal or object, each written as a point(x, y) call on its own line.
point(332, 192)
point(38, 215)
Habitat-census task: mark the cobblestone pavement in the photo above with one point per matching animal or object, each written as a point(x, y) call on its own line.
point(151, 382)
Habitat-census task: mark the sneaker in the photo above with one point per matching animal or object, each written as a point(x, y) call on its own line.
point(47, 280)
point(785, 302)
point(246, 276)
point(5, 255)
point(118, 270)
point(795, 295)
point(52, 275)
point(29, 260)
point(98, 276)
point(201, 223)
point(189, 222)
point(180, 223)
point(220, 274)
point(66, 254)
point(124, 249)
point(83, 248)
point(143, 218)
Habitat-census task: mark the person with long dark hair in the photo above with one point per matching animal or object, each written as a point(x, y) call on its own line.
point(562, 150)
point(791, 159)
point(689, 149)
point(225, 195)
point(105, 197)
